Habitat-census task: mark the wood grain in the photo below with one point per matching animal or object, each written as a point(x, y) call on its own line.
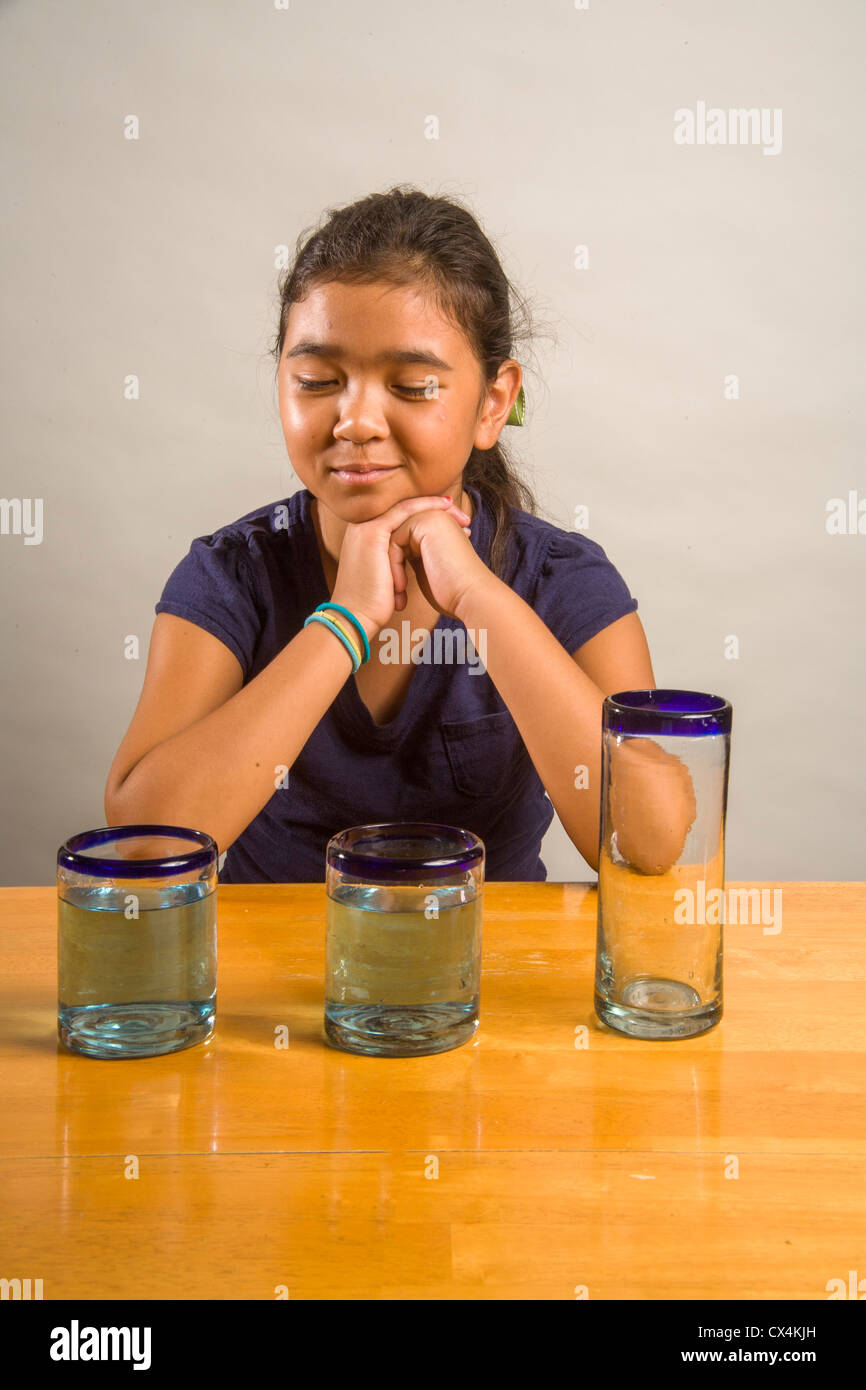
point(521, 1165)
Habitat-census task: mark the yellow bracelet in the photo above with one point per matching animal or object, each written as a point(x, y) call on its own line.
point(347, 630)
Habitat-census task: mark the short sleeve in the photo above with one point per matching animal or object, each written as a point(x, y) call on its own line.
point(214, 587)
point(579, 591)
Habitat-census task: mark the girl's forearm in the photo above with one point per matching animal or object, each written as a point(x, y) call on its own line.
point(554, 704)
point(219, 773)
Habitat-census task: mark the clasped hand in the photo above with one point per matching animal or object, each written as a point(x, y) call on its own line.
point(427, 533)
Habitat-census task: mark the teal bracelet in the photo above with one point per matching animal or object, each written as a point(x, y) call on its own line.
point(318, 617)
point(361, 633)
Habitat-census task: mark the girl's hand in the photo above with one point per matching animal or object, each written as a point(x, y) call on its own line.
point(371, 576)
point(442, 556)
point(652, 804)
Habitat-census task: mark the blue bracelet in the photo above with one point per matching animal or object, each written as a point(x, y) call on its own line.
point(318, 617)
point(340, 609)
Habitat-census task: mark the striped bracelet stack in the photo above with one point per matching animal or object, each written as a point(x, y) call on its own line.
point(344, 630)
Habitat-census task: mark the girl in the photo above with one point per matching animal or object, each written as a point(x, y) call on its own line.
point(272, 732)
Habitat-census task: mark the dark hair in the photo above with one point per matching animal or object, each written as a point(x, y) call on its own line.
point(406, 237)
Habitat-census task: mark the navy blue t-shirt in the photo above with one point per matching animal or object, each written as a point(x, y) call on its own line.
point(452, 754)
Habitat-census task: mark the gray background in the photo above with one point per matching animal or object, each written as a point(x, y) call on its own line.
point(157, 257)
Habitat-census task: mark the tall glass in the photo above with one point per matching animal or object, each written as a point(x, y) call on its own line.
point(136, 940)
point(403, 938)
point(661, 869)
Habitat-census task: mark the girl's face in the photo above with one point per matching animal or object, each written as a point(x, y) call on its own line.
point(371, 374)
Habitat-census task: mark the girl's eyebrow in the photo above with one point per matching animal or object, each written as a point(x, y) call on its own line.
point(425, 356)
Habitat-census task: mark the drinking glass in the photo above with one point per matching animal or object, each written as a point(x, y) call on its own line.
point(403, 938)
point(136, 940)
point(661, 868)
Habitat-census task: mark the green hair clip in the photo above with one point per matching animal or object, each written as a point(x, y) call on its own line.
point(518, 410)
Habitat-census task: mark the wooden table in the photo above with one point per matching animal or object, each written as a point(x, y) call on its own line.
point(727, 1166)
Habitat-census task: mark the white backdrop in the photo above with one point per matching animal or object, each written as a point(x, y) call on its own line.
point(700, 388)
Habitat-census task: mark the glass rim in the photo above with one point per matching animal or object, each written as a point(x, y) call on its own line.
point(667, 711)
point(345, 856)
point(70, 855)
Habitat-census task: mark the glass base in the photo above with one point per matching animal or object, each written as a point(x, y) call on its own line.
point(658, 1008)
point(391, 1030)
point(135, 1030)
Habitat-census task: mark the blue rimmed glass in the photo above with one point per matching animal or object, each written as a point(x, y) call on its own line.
point(403, 938)
point(661, 868)
point(136, 940)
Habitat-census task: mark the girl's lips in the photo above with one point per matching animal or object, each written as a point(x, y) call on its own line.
point(358, 475)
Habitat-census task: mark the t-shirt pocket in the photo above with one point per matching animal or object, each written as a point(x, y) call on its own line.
point(482, 752)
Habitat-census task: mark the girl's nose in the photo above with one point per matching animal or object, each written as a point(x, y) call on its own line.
point(361, 418)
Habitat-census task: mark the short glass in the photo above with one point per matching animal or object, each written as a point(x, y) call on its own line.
point(661, 869)
point(403, 938)
point(136, 940)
